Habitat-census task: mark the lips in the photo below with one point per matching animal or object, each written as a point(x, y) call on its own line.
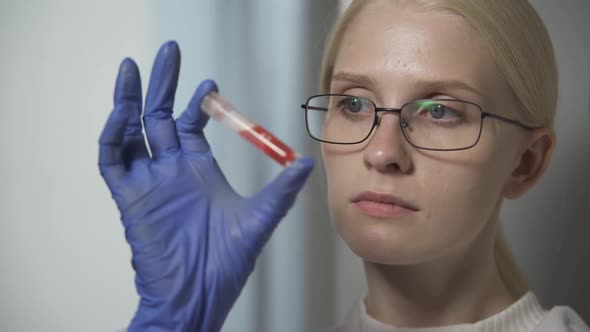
point(381, 205)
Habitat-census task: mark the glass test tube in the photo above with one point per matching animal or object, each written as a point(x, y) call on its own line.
point(221, 110)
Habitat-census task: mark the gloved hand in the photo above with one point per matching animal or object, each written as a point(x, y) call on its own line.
point(194, 240)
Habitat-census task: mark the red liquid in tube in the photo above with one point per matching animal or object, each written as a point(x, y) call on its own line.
point(277, 150)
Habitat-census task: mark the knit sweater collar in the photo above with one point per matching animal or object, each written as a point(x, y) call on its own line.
point(522, 315)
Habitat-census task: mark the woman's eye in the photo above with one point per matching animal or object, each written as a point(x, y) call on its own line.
point(354, 105)
point(438, 111)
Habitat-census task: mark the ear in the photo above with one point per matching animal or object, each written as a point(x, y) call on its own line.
point(534, 160)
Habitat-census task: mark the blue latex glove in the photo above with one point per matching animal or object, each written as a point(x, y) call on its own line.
point(194, 240)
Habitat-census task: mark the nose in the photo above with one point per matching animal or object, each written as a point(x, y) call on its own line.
point(387, 150)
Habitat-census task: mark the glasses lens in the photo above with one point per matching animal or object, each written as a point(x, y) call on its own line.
point(340, 118)
point(441, 124)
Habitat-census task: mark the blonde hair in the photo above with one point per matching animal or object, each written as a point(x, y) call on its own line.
point(522, 49)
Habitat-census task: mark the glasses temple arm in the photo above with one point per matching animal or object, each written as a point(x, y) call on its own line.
point(514, 122)
point(313, 108)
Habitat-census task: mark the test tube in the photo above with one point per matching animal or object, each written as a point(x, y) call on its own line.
point(221, 110)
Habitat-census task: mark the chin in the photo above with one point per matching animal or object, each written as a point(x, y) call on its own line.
point(391, 242)
point(383, 254)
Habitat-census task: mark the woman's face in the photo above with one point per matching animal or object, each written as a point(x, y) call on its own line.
point(394, 55)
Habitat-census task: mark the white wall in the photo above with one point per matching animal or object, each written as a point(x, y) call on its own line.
point(65, 263)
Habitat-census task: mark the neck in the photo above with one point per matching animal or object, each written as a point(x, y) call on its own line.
point(463, 287)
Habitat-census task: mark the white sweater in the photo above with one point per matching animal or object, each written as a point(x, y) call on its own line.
point(524, 315)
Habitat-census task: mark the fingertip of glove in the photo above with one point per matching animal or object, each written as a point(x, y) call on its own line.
point(127, 65)
point(167, 59)
point(207, 86)
point(169, 46)
point(128, 83)
point(303, 165)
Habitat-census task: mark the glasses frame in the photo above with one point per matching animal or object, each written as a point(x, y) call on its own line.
point(306, 107)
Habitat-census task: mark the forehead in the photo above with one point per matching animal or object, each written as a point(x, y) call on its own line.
point(403, 47)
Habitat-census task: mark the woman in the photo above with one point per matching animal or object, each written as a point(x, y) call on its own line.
point(435, 112)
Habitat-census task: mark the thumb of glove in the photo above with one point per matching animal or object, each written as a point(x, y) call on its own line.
point(276, 198)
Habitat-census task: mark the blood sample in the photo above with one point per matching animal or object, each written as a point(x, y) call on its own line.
point(221, 110)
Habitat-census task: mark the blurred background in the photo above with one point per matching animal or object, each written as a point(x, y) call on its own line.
point(65, 263)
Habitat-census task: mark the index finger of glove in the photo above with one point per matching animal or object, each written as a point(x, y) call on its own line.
point(191, 122)
point(159, 124)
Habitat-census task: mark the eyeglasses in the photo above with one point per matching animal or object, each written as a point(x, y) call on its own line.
point(429, 124)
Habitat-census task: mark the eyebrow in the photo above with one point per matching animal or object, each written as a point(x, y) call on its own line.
point(354, 78)
point(442, 85)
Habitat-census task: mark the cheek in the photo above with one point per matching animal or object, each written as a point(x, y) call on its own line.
point(463, 185)
point(461, 196)
point(344, 169)
point(470, 180)
point(341, 168)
